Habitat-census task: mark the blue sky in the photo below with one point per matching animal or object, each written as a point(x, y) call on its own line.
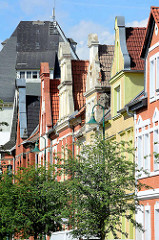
point(77, 18)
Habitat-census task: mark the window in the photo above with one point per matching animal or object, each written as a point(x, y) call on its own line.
point(147, 152)
point(29, 74)
point(156, 220)
point(143, 152)
point(155, 149)
point(147, 223)
point(35, 75)
point(140, 220)
point(117, 101)
point(154, 77)
point(139, 151)
point(22, 74)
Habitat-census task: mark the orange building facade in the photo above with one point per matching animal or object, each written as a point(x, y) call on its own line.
point(146, 108)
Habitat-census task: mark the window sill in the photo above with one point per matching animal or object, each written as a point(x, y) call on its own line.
point(116, 116)
point(150, 174)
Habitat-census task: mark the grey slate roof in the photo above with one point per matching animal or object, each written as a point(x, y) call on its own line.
point(31, 43)
point(32, 109)
point(36, 42)
point(7, 69)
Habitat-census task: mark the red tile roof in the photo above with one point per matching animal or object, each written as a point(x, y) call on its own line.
point(79, 72)
point(155, 13)
point(134, 40)
point(54, 92)
point(154, 16)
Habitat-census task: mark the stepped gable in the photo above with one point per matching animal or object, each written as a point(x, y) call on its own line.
point(54, 92)
point(134, 40)
point(79, 73)
point(106, 53)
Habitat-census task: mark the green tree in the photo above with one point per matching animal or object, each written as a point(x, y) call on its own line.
point(102, 189)
point(8, 198)
point(37, 200)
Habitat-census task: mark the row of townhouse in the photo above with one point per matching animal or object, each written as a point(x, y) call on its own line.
point(54, 93)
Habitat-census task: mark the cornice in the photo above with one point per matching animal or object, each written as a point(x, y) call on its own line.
point(95, 89)
point(64, 83)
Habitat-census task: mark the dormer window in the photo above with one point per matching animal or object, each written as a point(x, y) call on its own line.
point(22, 74)
point(35, 74)
point(28, 74)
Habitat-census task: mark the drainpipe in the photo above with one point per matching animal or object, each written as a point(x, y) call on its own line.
point(130, 114)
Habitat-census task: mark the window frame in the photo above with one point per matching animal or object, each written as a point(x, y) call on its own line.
point(154, 78)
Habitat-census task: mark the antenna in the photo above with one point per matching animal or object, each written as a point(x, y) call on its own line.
point(53, 14)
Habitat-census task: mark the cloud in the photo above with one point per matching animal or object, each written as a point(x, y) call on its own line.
point(142, 23)
point(80, 33)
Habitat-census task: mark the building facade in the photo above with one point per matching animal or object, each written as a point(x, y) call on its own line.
point(146, 109)
point(126, 81)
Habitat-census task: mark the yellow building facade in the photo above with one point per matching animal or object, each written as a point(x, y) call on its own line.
point(127, 81)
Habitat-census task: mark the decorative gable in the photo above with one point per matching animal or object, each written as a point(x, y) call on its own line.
point(121, 56)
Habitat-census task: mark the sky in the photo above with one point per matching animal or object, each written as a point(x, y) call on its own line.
point(77, 18)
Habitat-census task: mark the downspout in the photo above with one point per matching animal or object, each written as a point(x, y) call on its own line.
point(130, 114)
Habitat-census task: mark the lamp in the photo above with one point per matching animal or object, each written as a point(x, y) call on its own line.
point(37, 150)
point(93, 121)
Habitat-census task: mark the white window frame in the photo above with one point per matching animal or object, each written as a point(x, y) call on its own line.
point(156, 220)
point(143, 151)
point(140, 219)
point(154, 78)
point(147, 222)
point(155, 164)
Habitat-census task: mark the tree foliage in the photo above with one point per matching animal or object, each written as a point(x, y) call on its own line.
point(32, 205)
point(102, 189)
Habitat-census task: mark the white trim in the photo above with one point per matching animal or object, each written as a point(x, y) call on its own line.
point(148, 194)
point(154, 46)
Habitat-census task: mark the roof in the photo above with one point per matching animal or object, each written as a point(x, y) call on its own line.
point(79, 73)
point(54, 92)
point(7, 69)
point(153, 17)
point(31, 43)
point(106, 53)
point(134, 40)
point(36, 42)
point(32, 109)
